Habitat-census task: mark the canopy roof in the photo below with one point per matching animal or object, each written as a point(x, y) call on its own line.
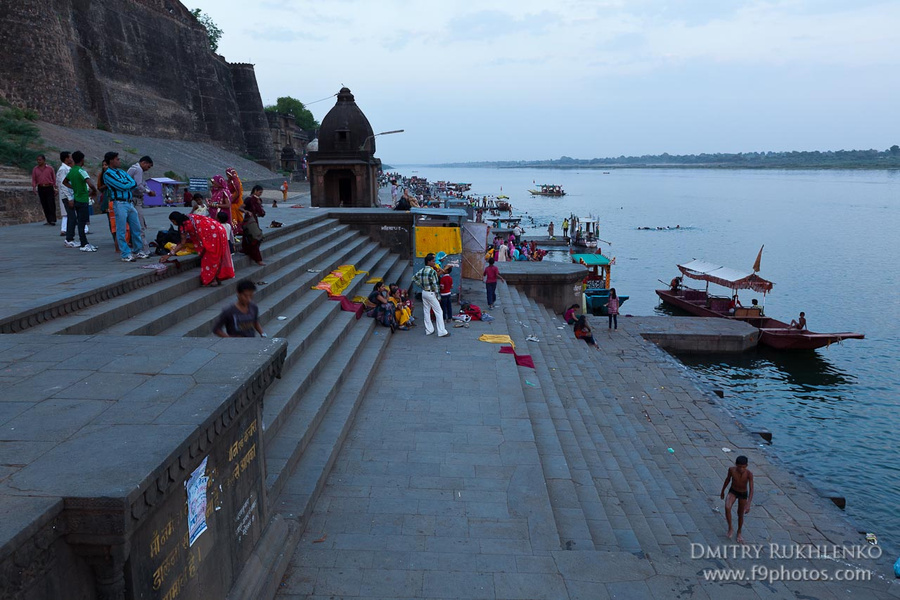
point(725, 276)
point(167, 181)
point(591, 260)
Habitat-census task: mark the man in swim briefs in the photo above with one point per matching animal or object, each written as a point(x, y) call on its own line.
point(741, 490)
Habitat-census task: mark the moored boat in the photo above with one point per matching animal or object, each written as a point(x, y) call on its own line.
point(773, 333)
point(596, 285)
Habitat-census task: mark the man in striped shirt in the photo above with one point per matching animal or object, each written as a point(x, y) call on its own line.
point(428, 280)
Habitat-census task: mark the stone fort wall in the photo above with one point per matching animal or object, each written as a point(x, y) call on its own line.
point(132, 66)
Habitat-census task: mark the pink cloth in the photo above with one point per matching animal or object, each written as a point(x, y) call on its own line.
point(349, 306)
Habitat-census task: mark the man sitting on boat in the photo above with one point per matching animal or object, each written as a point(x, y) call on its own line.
point(675, 284)
point(799, 323)
point(755, 304)
point(735, 303)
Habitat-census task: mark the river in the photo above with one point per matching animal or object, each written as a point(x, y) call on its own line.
point(830, 247)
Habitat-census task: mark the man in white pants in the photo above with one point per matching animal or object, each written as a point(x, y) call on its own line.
point(66, 194)
point(428, 281)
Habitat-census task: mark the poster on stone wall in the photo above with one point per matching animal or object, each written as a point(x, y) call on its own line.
point(196, 502)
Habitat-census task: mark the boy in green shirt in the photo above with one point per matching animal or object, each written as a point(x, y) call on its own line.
point(78, 207)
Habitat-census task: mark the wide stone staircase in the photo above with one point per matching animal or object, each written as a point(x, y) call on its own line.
point(331, 355)
point(596, 439)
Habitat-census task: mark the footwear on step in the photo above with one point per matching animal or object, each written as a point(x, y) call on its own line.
point(71, 244)
point(142, 255)
point(62, 234)
point(128, 258)
point(88, 248)
point(445, 335)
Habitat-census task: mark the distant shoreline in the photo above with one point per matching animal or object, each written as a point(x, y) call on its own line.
point(711, 166)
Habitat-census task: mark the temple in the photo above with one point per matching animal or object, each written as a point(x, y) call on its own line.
point(343, 170)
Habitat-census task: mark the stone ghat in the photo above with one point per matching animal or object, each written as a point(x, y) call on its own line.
point(500, 481)
point(100, 436)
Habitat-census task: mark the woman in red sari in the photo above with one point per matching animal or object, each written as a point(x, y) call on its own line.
point(211, 241)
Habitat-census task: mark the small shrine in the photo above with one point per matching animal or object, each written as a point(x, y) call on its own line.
point(343, 170)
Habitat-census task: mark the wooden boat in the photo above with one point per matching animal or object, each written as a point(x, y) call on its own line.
point(772, 332)
point(548, 190)
point(595, 286)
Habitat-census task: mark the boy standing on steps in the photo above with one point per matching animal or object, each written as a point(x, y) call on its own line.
point(741, 490)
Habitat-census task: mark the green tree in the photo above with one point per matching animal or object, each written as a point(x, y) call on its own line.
point(213, 31)
point(292, 106)
point(895, 150)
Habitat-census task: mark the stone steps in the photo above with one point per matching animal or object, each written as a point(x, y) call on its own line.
point(314, 340)
point(559, 460)
point(619, 514)
point(302, 451)
point(115, 314)
point(644, 511)
point(286, 285)
point(654, 496)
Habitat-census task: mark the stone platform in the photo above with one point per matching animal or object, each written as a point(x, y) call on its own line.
point(98, 435)
point(553, 284)
point(694, 335)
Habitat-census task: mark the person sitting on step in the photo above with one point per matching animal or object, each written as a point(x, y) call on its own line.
point(583, 332)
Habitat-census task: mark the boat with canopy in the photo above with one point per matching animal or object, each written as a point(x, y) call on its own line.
point(773, 333)
point(596, 284)
point(548, 190)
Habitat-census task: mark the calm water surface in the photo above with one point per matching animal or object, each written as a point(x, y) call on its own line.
point(830, 247)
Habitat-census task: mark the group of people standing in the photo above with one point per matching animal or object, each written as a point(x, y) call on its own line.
point(514, 248)
point(119, 193)
point(114, 191)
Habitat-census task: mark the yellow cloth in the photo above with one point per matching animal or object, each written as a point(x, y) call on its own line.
point(403, 314)
point(339, 280)
point(438, 239)
point(360, 299)
point(375, 280)
point(493, 338)
point(187, 249)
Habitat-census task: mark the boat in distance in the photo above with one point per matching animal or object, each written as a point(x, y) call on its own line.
point(548, 190)
point(772, 332)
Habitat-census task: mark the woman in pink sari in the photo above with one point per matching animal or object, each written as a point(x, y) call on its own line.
point(211, 241)
point(220, 200)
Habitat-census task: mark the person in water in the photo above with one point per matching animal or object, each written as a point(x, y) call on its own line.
point(741, 489)
point(799, 323)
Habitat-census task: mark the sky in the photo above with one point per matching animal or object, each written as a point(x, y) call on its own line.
point(527, 80)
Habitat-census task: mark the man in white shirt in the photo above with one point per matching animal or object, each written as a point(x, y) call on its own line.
point(137, 171)
point(66, 194)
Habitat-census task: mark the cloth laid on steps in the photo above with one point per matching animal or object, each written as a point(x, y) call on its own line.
point(350, 306)
point(523, 360)
point(375, 280)
point(493, 338)
point(339, 280)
